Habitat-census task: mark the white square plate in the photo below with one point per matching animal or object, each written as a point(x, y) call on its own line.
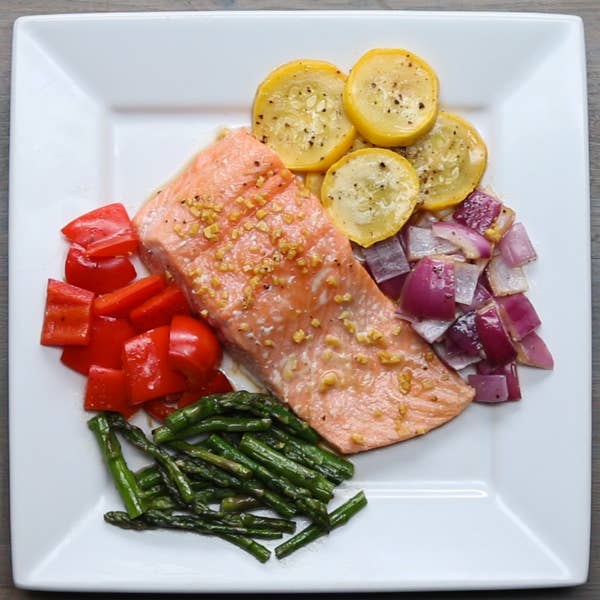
point(106, 107)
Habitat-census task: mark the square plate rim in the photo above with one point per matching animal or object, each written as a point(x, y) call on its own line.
point(21, 23)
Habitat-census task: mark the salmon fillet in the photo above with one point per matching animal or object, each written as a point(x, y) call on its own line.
point(258, 257)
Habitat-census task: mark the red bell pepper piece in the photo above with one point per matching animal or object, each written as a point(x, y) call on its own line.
point(160, 408)
point(147, 367)
point(107, 390)
point(120, 302)
point(98, 275)
point(217, 384)
point(105, 348)
point(193, 348)
point(159, 309)
point(105, 231)
point(68, 315)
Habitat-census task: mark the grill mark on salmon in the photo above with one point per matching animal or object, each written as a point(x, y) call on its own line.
point(257, 255)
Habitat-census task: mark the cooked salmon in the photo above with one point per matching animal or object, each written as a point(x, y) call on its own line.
point(259, 258)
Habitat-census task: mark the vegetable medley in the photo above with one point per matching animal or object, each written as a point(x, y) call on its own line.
point(400, 178)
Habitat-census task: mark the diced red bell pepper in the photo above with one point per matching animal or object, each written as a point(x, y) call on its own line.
point(217, 384)
point(105, 231)
point(120, 302)
point(160, 408)
point(68, 315)
point(193, 348)
point(107, 390)
point(159, 309)
point(147, 367)
point(105, 348)
point(98, 275)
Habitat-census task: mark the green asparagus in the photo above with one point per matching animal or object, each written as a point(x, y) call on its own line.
point(196, 467)
point(333, 467)
point(263, 405)
point(312, 507)
point(281, 464)
point(137, 437)
point(339, 516)
point(214, 459)
point(123, 478)
point(230, 424)
point(201, 525)
point(238, 503)
point(121, 519)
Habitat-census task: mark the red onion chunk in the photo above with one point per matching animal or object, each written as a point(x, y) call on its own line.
point(516, 247)
point(533, 351)
point(518, 315)
point(501, 225)
point(421, 242)
point(473, 244)
point(505, 280)
point(453, 357)
point(463, 334)
point(509, 370)
point(490, 389)
point(428, 292)
point(431, 329)
point(386, 260)
point(478, 211)
point(481, 297)
point(393, 287)
point(496, 342)
point(466, 277)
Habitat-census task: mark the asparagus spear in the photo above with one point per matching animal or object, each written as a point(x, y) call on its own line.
point(263, 405)
point(281, 464)
point(238, 503)
point(123, 478)
point(121, 519)
point(214, 459)
point(333, 467)
point(339, 516)
point(250, 486)
point(230, 424)
point(148, 476)
point(200, 525)
point(312, 507)
point(137, 437)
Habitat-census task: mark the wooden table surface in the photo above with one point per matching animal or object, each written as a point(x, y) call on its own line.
point(589, 10)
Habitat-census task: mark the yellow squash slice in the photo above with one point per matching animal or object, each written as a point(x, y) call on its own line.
point(449, 160)
point(298, 111)
point(391, 95)
point(370, 193)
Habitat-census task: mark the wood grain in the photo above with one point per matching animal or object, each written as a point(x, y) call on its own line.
point(589, 10)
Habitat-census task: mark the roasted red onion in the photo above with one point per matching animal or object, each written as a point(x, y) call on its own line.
point(489, 388)
point(496, 342)
point(388, 265)
point(453, 357)
point(428, 292)
point(509, 370)
point(478, 211)
point(466, 277)
point(501, 225)
point(473, 244)
point(481, 297)
point(421, 242)
point(516, 247)
point(463, 334)
point(518, 315)
point(533, 351)
point(505, 280)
